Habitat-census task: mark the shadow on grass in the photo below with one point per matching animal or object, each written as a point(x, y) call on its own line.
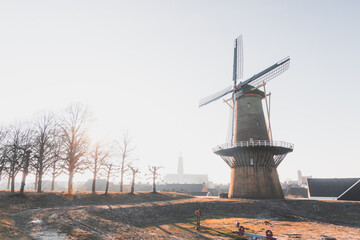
point(198, 236)
point(162, 229)
point(8, 230)
point(212, 231)
point(159, 213)
point(62, 199)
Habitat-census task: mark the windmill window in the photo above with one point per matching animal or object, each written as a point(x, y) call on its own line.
point(248, 105)
point(251, 162)
point(257, 123)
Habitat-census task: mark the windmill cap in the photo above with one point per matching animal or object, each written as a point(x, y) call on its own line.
point(251, 90)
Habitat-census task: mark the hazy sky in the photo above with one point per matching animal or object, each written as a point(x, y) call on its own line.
point(142, 66)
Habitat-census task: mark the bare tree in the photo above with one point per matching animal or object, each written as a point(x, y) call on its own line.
point(56, 166)
point(19, 140)
point(75, 141)
point(154, 175)
point(2, 163)
point(26, 163)
point(98, 157)
point(134, 172)
point(56, 169)
point(3, 134)
point(46, 133)
point(36, 176)
point(125, 157)
point(28, 144)
point(109, 169)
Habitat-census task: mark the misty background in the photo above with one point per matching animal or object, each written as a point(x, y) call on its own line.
point(142, 66)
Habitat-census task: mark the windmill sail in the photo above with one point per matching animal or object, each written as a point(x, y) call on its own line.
point(237, 75)
point(239, 57)
point(268, 74)
point(230, 132)
point(215, 96)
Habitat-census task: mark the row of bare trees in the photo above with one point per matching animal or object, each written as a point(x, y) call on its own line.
point(58, 144)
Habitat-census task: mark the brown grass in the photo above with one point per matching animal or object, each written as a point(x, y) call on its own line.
point(293, 196)
point(8, 228)
point(171, 215)
point(223, 228)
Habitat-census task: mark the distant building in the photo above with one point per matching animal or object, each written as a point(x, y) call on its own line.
point(302, 180)
point(334, 188)
point(181, 178)
point(217, 189)
point(297, 189)
point(297, 192)
point(191, 189)
point(289, 183)
point(141, 187)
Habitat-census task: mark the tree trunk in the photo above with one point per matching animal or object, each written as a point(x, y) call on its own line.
point(93, 184)
point(12, 182)
point(22, 186)
point(108, 179)
point(12, 176)
point(121, 184)
point(53, 176)
point(122, 179)
point(107, 183)
point(70, 182)
point(39, 185)
point(36, 181)
point(133, 184)
point(154, 186)
point(40, 172)
point(8, 184)
point(53, 183)
point(25, 171)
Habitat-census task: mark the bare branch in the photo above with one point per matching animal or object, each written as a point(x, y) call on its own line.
point(134, 172)
point(154, 175)
point(98, 157)
point(126, 156)
point(74, 136)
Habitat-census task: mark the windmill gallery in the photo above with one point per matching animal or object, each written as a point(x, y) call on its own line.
point(250, 150)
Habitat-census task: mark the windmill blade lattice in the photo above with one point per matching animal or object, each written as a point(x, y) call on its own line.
point(239, 58)
point(216, 96)
point(268, 74)
point(230, 132)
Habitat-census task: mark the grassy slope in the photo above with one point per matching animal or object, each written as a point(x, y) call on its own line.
point(60, 199)
point(8, 229)
point(11, 204)
point(124, 215)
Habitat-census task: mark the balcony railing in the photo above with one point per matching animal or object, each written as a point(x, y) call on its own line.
point(254, 143)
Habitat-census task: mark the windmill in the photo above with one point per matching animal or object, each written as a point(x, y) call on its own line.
point(250, 151)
